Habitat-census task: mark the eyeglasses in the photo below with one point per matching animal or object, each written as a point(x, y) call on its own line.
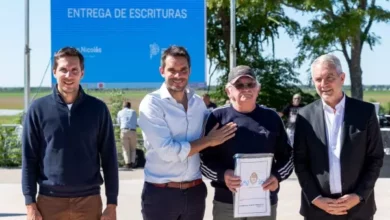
point(250, 85)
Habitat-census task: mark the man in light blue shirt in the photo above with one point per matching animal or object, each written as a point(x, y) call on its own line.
point(171, 120)
point(127, 120)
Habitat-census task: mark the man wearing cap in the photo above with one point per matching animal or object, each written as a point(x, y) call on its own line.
point(259, 130)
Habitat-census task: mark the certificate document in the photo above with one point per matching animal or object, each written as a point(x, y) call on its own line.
point(251, 200)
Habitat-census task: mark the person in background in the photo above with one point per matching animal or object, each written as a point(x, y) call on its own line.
point(260, 130)
point(67, 136)
point(171, 120)
point(209, 104)
point(338, 149)
point(127, 120)
point(291, 112)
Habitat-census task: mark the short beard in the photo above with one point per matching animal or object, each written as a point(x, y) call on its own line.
point(176, 89)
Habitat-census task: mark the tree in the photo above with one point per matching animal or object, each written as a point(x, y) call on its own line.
point(340, 25)
point(258, 23)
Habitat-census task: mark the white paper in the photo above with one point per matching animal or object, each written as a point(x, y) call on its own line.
point(251, 200)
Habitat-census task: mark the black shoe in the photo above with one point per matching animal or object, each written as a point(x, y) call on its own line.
point(132, 165)
point(127, 166)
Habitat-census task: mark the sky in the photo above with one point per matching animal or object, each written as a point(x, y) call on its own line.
point(12, 40)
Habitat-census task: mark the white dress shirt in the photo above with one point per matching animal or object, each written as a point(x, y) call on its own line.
point(334, 119)
point(167, 130)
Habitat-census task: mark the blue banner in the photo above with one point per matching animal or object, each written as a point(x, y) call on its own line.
point(122, 41)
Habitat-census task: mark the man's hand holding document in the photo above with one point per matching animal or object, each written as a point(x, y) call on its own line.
point(251, 184)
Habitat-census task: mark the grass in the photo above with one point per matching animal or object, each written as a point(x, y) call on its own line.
point(378, 96)
point(383, 97)
point(14, 100)
point(8, 119)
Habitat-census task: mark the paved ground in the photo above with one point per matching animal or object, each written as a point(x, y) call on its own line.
point(11, 199)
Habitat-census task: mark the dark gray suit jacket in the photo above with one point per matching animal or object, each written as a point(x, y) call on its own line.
point(361, 157)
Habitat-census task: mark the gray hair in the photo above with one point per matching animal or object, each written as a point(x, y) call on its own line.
point(329, 59)
point(297, 95)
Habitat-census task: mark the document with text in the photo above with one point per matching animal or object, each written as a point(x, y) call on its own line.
point(251, 200)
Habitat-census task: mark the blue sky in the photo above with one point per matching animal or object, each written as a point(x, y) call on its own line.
point(375, 70)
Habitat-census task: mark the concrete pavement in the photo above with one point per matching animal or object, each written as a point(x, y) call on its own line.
point(131, 182)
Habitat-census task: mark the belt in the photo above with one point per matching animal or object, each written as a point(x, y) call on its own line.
point(128, 129)
point(179, 185)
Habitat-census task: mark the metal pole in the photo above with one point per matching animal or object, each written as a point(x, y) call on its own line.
point(27, 57)
point(232, 33)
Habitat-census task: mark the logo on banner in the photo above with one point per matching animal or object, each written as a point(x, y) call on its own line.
point(154, 50)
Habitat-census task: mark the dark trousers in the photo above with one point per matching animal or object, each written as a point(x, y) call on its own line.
point(172, 203)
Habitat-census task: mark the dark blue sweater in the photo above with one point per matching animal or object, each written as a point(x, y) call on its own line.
point(260, 131)
point(63, 149)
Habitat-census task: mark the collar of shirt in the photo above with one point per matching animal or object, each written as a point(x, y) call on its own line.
point(164, 93)
point(167, 132)
point(339, 107)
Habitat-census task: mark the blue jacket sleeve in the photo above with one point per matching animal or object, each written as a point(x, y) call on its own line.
point(210, 165)
point(30, 154)
point(283, 156)
point(108, 155)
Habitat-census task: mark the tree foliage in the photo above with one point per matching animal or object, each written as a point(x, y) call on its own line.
point(340, 25)
point(258, 23)
point(10, 147)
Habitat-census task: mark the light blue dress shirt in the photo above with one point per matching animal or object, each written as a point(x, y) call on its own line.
point(127, 119)
point(167, 130)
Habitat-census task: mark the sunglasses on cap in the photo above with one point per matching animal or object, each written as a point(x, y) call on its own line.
point(250, 85)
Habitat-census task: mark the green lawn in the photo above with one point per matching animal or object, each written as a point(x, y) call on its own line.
point(14, 100)
point(8, 119)
point(134, 93)
point(379, 96)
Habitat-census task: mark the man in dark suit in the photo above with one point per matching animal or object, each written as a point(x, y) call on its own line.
point(338, 150)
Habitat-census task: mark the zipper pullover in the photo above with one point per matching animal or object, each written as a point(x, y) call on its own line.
point(62, 148)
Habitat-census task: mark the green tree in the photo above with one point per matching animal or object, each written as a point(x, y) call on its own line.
point(258, 23)
point(10, 147)
point(115, 105)
point(340, 25)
